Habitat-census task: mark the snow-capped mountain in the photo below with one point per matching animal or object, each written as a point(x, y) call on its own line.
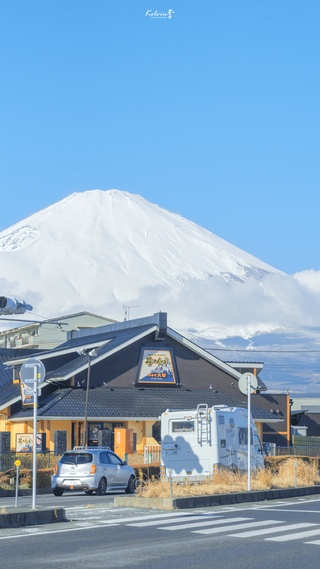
point(112, 252)
point(105, 249)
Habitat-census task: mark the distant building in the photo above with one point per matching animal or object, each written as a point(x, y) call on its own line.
point(305, 415)
point(50, 333)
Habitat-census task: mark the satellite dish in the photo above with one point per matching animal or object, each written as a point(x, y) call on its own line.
point(245, 380)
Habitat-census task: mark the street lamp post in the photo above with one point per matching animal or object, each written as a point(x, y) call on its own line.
point(91, 354)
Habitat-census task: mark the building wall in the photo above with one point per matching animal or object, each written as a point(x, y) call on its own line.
point(194, 372)
point(279, 405)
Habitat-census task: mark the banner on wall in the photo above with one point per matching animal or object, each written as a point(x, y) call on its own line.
point(24, 443)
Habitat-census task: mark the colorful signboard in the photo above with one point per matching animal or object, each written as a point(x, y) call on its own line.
point(156, 366)
point(24, 443)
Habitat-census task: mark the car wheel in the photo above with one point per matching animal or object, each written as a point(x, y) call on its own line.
point(102, 487)
point(57, 491)
point(131, 485)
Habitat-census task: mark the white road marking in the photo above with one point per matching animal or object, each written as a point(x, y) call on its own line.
point(170, 521)
point(271, 530)
point(201, 524)
point(291, 537)
point(127, 519)
point(236, 526)
point(297, 511)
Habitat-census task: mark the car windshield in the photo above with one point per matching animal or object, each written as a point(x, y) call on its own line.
point(76, 458)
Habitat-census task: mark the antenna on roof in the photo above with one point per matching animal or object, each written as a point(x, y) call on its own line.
point(127, 310)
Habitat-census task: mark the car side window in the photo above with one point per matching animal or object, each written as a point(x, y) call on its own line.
point(114, 459)
point(104, 458)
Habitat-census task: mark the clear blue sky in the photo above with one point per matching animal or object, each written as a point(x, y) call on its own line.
point(212, 114)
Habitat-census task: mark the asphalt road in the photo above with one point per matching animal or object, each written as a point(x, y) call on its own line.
point(266, 535)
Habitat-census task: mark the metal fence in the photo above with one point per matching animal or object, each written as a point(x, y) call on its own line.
point(44, 460)
point(152, 454)
point(298, 451)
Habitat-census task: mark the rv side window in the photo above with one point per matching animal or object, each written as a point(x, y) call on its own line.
point(231, 423)
point(243, 436)
point(257, 443)
point(182, 426)
point(221, 419)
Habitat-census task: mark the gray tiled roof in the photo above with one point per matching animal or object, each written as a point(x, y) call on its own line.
point(112, 342)
point(118, 336)
point(9, 392)
point(131, 402)
point(7, 354)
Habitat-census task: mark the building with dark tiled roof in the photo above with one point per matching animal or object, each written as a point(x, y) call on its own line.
point(136, 370)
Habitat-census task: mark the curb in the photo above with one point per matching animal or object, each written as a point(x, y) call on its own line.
point(213, 500)
point(18, 518)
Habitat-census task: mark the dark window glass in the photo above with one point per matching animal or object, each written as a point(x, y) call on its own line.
point(182, 426)
point(104, 459)
point(79, 458)
point(114, 459)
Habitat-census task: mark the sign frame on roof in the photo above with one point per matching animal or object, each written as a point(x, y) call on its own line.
point(157, 366)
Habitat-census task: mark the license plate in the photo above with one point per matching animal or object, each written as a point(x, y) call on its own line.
point(71, 483)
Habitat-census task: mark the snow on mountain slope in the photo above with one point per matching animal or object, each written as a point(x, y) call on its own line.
point(101, 247)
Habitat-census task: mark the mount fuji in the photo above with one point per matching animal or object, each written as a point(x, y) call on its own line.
point(115, 254)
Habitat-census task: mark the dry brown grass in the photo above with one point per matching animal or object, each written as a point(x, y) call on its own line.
point(223, 482)
point(135, 460)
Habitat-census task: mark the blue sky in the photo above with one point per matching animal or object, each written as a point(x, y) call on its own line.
point(212, 113)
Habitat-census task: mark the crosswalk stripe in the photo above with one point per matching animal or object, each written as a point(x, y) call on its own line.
point(148, 517)
point(292, 536)
point(201, 524)
point(171, 521)
point(271, 530)
point(236, 526)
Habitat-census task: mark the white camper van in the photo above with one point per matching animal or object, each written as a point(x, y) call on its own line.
point(196, 442)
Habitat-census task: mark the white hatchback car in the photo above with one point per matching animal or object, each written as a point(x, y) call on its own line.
point(92, 469)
